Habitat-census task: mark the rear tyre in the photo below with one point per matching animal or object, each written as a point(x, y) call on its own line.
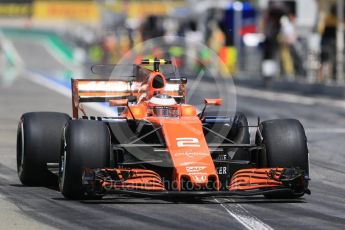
point(284, 144)
point(239, 133)
point(235, 128)
point(39, 143)
point(87, 145)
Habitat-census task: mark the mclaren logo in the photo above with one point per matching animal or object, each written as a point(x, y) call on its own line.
point(192, 154)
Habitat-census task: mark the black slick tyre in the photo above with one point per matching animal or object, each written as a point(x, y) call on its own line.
point(39, 143)
point(87, 145)
point(284, 144)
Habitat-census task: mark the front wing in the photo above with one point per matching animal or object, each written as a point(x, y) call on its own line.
point(245, 182)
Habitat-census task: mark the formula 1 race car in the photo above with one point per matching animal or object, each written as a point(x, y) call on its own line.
point(159, 145)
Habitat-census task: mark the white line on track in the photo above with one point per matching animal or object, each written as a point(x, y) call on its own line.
point(325, 130)
point(273, 96)
point(288, 97)
point(239, 213)
point(56, 54)
point(8, 47)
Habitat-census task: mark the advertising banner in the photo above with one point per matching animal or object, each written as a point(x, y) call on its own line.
point(84, 11)
point(15, 8)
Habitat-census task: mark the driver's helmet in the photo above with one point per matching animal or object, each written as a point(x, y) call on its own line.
point(163, 100)
point(163, 105)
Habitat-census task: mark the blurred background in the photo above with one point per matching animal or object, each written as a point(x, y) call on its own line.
point(281, 44)
point(285, 57)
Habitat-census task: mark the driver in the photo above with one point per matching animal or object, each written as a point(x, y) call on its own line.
point(163, 105)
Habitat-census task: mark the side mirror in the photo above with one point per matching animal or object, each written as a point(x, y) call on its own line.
point(215, 102)
point(209, 101)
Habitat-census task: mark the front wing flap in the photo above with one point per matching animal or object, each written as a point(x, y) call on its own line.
point(248, 179)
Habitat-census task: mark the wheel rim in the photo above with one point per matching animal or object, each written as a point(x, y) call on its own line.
point(21, 152)
point(62, 169)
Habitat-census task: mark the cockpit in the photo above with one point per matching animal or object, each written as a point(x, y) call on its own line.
point(163, 105)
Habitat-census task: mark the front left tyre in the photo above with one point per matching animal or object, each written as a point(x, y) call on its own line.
point(86, 145)
point(39, 143)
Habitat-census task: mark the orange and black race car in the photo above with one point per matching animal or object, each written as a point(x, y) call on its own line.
point(159, 145)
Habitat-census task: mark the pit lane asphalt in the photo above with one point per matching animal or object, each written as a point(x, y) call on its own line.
point(45, 207)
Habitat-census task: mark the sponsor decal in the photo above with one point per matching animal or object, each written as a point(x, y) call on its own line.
point(221, 157)
point(193, 169)
point(192, 154)
point(222, 170)
point(200, 177)
point(192, 163)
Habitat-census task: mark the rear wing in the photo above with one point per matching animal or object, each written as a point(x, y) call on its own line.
point(103, 90)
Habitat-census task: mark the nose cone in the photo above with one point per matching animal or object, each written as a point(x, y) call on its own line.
point(191, 157)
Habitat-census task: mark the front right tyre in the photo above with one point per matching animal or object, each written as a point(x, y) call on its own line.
point(284, 144)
